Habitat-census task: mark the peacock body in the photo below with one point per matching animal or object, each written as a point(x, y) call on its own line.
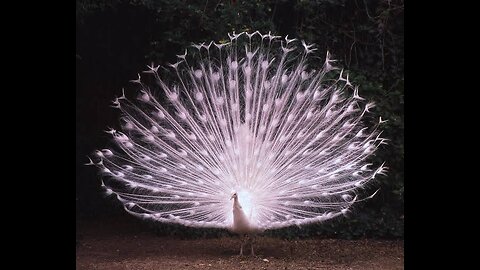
point(248, 118)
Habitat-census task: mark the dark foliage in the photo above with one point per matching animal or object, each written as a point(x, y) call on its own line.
point(117, 38)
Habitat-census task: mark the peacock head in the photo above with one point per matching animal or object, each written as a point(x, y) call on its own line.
point(234, 196)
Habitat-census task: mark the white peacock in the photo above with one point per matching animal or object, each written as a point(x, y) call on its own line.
point(246, 120)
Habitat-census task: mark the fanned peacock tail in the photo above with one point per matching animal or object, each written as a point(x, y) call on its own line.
point(248, 116)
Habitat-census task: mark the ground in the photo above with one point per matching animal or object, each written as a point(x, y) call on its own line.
point(119, 245)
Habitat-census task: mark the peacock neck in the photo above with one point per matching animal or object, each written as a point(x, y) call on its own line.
point(236, 204)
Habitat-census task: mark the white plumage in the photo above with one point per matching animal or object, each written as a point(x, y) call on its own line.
point(249, 118)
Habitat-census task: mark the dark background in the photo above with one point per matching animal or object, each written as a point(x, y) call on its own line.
point(116, 39)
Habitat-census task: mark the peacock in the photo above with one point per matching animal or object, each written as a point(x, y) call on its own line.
point(250, 134)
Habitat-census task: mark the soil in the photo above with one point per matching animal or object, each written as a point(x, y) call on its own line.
point(121, 245)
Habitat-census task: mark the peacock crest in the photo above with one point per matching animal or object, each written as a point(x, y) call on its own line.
point(247, 117)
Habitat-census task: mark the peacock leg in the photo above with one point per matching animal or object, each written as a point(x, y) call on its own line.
point(252, 241)
point(241, 247)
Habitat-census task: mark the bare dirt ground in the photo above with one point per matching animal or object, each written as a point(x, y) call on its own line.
point(115, 245)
